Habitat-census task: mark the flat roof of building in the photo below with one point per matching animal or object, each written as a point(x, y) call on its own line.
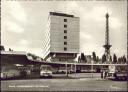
point(13, 52)
point(61, 14)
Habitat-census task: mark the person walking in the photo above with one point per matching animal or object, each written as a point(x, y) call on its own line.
point(101, 74)
point(106, 73)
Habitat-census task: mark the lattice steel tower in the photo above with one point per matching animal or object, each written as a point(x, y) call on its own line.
point(107, 44)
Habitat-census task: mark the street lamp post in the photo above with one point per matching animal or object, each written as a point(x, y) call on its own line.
point(66, 66)
point(75, 68)
point(92, 68)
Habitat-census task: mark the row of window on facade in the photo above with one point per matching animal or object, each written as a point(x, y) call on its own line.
point(65, 37)
point(65, 20)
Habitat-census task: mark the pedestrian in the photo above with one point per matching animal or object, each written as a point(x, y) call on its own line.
point(105, 74)
point(102, 74)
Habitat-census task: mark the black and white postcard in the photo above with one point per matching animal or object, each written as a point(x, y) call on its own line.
point(64, 45)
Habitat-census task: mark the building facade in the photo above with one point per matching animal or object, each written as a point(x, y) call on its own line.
point(61, 39)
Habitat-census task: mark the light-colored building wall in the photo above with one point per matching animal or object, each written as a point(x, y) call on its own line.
point(54, 35)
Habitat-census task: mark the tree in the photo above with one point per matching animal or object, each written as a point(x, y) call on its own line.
point(114, 58)
point(97, 59)
point(111, 58)
point(42, 59)
point(79, 59)
point(10, 49)
point(124, 59)
point(34, 57)
point(119, 60)
point(103, 58)
point(94, 56)
point(2, 48)
point(82, 56)
point(85, 59)
point(29, 54)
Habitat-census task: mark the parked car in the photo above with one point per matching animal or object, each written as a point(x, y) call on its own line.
point(24, 71)
point(121, 75)
point(118, 72)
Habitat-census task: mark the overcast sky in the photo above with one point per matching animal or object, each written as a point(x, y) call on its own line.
point(24, 22)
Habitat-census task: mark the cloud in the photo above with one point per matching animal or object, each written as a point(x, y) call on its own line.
point(73, 5)
point(115, 23)
point(97, 13)
point(13, 15)
point(24, 42)
point(86, 36)
point(68, 7)
point(36, 51)
point(13, 27)
point(16, 10)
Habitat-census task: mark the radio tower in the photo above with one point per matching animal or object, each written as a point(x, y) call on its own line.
point(107, 44)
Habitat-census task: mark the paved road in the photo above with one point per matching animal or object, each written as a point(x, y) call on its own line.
point(82, 83)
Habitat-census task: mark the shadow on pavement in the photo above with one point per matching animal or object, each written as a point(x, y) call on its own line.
point(38, 77)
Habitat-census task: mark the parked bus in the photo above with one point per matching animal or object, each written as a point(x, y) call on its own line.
point(9, 71)
point(46, 71)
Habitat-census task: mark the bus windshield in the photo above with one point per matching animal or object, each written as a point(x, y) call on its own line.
point(45, 67)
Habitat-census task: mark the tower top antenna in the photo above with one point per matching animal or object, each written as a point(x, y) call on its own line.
point(107, 15)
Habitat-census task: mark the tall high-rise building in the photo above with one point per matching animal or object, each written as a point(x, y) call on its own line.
point(61, 39)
